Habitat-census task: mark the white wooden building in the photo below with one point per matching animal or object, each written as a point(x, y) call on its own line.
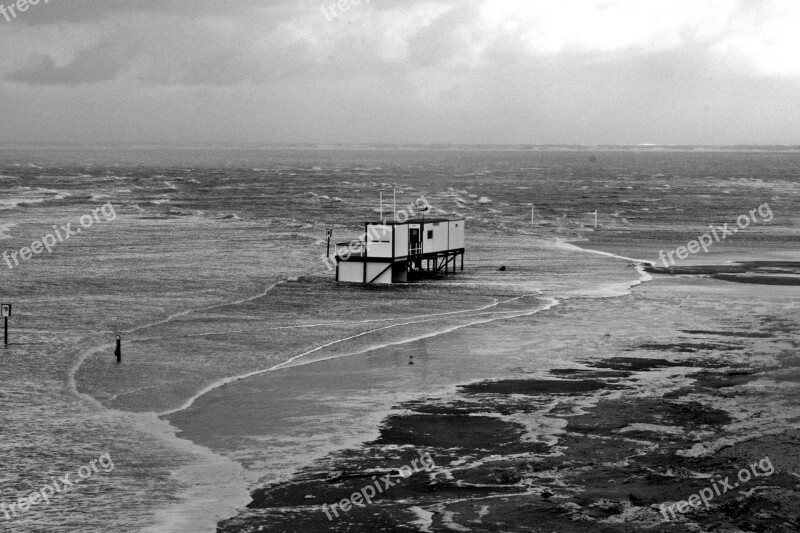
point(395, 252)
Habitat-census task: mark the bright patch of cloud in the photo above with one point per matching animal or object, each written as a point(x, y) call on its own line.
point(764, 41)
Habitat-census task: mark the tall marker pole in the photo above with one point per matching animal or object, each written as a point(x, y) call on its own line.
point(394, 207)
point(595, 219)
point(381, 206)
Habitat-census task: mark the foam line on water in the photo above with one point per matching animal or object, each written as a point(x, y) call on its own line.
point(187, 312)
point(232, 497)
point(225, 381)
point(639, 264)
point(321, 324)
point(645, 276)
point(230, 487)
point(73, 386)
point(552, 302)
point(296, 357)
point(71, 381)
point(606, 254)
point(343, 323)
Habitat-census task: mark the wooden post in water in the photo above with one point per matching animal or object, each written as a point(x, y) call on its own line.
point(330, 234)
point(118, 351)
point(6, 312)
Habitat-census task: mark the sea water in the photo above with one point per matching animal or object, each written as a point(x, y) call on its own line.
point(244, 361)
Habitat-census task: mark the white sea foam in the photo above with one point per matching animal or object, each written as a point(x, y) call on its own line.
point(292, 361)
point(4, 229)
point(214, 486)
point(28, 195)
point(424, 519)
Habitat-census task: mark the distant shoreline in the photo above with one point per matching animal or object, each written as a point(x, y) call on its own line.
point(596, 148)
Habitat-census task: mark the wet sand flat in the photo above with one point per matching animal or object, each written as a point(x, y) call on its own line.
point(612, 442)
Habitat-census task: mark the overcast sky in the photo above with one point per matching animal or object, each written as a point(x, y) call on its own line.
point(448, 71)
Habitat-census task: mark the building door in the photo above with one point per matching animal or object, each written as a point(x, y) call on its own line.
point(413, 241)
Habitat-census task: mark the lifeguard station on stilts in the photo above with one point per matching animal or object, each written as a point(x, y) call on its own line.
point(399, 252)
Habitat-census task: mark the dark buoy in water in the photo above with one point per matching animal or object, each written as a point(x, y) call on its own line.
point(502, 269)
point(118, 351)
point(410, 359)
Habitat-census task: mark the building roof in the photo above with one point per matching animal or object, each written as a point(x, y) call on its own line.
point(416, 221)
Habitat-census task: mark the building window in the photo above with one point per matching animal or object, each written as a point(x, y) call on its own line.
point(430, 234)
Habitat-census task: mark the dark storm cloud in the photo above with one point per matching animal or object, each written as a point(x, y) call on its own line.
point(527, 71)
point(92, 11)
point(103, 61)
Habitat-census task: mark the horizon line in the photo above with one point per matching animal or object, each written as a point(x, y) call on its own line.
point(599, 147)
